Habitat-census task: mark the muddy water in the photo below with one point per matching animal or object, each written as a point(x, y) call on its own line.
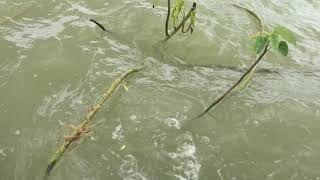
point(54, 64)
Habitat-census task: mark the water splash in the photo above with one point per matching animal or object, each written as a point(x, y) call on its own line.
point(117, 134)
point(172, 123)
point(188, 166)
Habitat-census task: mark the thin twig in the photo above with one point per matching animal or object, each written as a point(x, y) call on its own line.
point(236, 84)
point(83, 127)
point(100, 25)
point(184, 20)
point(188, 28)
point(252, 72)
point(168, 18)
point(253, 14)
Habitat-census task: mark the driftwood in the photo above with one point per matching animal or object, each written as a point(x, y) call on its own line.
point(84, 126)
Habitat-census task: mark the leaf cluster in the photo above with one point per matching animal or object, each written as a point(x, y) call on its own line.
point(278, 38)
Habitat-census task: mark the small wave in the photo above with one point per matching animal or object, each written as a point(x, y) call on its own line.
point(25, 36)
point(77, 6)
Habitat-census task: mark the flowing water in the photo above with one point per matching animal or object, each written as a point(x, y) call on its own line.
point(55, 63)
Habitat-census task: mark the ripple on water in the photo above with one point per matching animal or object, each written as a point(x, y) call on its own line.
point(129, 169)
point(28, 32)
point(66, 97)
point(81, 8)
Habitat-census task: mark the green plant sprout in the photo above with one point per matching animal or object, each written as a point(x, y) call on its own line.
point(177, 11)
point(277, 40)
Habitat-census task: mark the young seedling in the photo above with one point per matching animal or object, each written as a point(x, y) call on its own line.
point(176, 12)
point(277, 40)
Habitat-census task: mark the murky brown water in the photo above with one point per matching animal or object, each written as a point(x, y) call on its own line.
point(54, 64)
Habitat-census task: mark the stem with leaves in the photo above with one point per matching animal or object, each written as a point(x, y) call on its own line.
point(176, 12)
point(278, 39)
point(253, 71)
point(182, 23)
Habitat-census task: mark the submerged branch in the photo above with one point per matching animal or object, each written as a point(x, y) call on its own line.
point(181, 24)
point(83, 128)
point(100, 25)
point(236, 84)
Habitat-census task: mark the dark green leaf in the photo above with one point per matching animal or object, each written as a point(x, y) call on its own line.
point(283, 48)
point(260, 44)
point(286, 34)
point(274, 40)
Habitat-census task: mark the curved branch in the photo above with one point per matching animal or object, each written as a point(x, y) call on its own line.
point(251, 13)
point(187, 30)
point(237, 83)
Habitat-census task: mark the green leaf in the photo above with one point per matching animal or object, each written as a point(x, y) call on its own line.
point(286, 34)
point(179, 3)
point(283, 48)
point(260, 44)
point(176, 11)
point(274, 40)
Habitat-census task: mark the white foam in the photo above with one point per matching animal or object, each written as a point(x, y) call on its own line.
point(2, 153)
point(117, 133)
point(172, 123)
point(187, 167)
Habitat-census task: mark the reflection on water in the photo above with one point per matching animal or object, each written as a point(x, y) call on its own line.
point(55, 63)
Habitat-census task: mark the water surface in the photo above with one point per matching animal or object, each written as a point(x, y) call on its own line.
point(54, 64)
